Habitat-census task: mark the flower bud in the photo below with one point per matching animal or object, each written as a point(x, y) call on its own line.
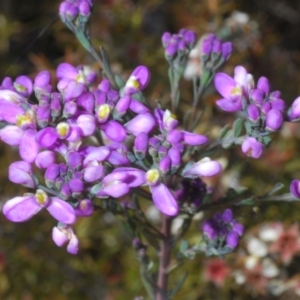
point(274, 120)
point(252, 147)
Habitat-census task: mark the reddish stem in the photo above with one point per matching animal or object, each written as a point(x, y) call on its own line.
point(164, 259)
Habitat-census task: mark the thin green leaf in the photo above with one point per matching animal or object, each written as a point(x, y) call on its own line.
point(277, 187)
point(178, 286)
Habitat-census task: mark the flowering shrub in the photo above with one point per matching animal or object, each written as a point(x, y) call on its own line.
point(86, 145)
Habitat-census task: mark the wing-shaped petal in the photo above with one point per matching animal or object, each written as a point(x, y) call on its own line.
point(61, 211)
point(20, 209)
point(164, 200)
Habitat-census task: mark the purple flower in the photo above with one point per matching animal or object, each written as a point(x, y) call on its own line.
point(232, 239)
point(113, 185)
point(207, 43)
point(140, 145)
point(85, 208)
point(263, 84)
point(295, 188)
point(294, 111)
point(257, 96)
point(193, 138)
point(233, 89)
point(86, 101)
point(29, 147)
point(222, 232)
point(44, 159)
point(67, 11)
point(161, 195)
point(10, 111)
point(71, 81)
point(87, 124)
point(11, 135)
point(118, 154)
point(210, 229)
point(23, 85)
point(253, 113)
point(226, 50)
point(252, 147)
point(20, 209)
point(137, 81)
point(274, 119)
point(204, 167)
point(63, 234)
point(140, 123)
point(166, 37)
point(122, 106)
point(46, 137)
point(114, 130)
point(164, 199)
point(20, 172)
point(42, 82)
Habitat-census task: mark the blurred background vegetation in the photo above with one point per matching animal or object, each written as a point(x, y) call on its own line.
point(32, 38)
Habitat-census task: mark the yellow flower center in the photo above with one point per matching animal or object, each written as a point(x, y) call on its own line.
point(23, 120)
point(152, 176)
point(63, 129)
point(19, 87)
point(41, 197)
point(133, 82)
point(103, 111)
point(236, 91)
point(80, 77)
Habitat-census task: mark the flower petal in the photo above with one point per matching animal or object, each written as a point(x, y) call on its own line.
point(20, 172)
point(9, 111)
point(66, 70)
point(140, 123)
point(230, 105)
point(11, 135)
point(194, 139)
point(61, 211)
point(164, 200)
point(240, 75)
point(114, 131)
point(20, 209)
point(135, 177)
point(204, 167)
point(28, 147)
point(224, 84)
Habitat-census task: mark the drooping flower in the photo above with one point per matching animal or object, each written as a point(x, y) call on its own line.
point(63, 234)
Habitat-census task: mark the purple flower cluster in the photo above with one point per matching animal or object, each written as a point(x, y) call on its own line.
point(91, 142)
point(69, 10)
point(213, 48)
point(263, 108)
point(178, 44)
point(222, 233)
